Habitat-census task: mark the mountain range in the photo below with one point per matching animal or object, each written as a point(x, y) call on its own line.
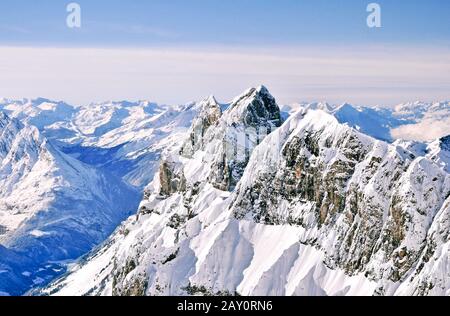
point(242, 198)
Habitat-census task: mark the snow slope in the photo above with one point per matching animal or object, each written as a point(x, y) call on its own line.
point(121, 138)
point(52, 207)
point(313, 207)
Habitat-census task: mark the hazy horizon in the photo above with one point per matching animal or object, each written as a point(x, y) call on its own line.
point(178, 76)
point(174, 52)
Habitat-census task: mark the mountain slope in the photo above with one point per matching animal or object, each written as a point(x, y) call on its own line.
point(202, 157)
point(52, 207)
point(311, 208)
point(367, 205)
point(122, 138)
point(439, 151)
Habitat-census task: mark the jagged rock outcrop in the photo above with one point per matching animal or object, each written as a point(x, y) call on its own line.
point(432, 271)
point(370, 204)
point(209, 114)
point(224, 141)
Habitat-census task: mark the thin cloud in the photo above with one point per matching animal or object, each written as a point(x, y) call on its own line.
point(179, 75)
point(427, 130)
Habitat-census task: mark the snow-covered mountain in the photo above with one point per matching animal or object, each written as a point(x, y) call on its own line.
point(52, 206)
point(418, 121)
point(126, 138)
point(250, 202)
point(439, 152)
point(121, 138)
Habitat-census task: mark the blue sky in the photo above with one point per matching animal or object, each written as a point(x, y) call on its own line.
point(176, 51)
point(217, 22)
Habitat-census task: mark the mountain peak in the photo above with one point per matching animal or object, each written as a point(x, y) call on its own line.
point(230, 137)
point(412, 107)
point(255, 107)
point(445, 143)
point(211, 100)
point(262, 89)
point(259, 90)
point(208, 104)
point(209, 113)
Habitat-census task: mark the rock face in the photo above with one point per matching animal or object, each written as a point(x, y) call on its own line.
point(228, 139)
point(248, 204)
point(209, 115)
point(445, 143)
point(370, 205)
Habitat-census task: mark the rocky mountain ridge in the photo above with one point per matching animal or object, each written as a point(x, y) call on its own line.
point(307, 207)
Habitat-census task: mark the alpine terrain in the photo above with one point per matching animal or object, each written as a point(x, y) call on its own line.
point(52, 207)
point(250, 200)
point(69, 175)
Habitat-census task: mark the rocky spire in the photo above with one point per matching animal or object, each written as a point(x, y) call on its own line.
point(228, 138)
point(249, 119)
point(209, 114)
point(255, 107)
point(445, 143)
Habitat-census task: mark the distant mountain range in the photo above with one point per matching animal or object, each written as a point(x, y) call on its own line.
point(418, 121)
point(52, 206)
